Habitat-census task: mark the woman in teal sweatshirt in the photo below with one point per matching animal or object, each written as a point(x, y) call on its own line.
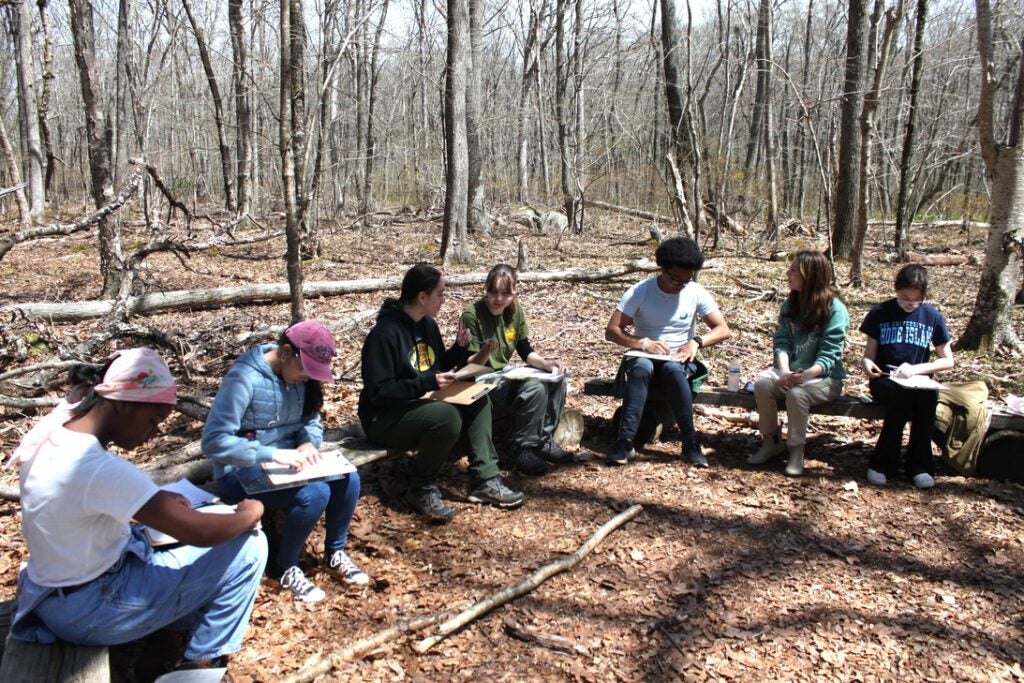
point(808, 349)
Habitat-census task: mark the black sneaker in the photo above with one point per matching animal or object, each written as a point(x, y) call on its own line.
point(554, 453)
point(494, 492)
point(695, 457)
point(621, 454)
point(426, 500)
point(528, 463)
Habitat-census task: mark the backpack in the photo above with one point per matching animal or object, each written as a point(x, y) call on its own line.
point(961, 421)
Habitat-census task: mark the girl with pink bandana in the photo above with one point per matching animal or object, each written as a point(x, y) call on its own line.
point(92, 578)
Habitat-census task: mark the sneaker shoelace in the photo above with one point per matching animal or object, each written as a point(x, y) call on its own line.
point(349, 570)
point(295, 581)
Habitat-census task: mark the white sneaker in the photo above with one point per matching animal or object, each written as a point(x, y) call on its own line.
point(875, 477)
point(343, 565)
point(302, 589)
point(924, 480)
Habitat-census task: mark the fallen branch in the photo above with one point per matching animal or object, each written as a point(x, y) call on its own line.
point(540, 576)
point(627, 211)
point(325, 664)
point(548, 640)
point(193, 299)
point(62, 229)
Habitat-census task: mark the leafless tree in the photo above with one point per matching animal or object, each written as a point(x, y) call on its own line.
point(991, 323)
point(453, 240)
point(847, 185)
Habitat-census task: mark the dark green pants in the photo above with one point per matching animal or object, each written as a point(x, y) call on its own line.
point(432, 428)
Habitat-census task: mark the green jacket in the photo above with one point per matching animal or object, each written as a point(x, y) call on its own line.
point(807, 348)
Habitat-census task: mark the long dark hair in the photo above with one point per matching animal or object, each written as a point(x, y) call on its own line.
point(811, 307)
point(313, 399)
point(83, 379)
point(422, 277)
point(503, 275)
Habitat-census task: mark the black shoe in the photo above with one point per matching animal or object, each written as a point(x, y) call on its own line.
point(621, 454)
point(426, 500)
point(696, 457)
point(494, 492)
point(554, 453)
point(528, 463)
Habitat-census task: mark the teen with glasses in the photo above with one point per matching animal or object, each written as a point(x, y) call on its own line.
point(663, 312)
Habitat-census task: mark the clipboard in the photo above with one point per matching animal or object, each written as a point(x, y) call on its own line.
point(460, 393)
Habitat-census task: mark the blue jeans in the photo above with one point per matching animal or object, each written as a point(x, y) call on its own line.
point(674, 380)
point(336, 500)
point(208, 591)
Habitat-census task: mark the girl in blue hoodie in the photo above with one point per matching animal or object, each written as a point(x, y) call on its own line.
point(268, 410)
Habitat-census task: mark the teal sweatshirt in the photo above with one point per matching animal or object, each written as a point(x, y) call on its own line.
point(806, 348)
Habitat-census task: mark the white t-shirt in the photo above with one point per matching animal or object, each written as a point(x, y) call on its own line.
point(77, 500)
point(670, 318)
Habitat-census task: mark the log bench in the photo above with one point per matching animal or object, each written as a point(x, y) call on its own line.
point(1001, 457)
point(22, 662)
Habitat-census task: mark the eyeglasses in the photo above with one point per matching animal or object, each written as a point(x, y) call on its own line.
point(907, 303)
point(676, 282)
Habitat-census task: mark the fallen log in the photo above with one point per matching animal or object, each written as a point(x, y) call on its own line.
point(510, 593)
point(548, 640)
point(627, 211)
point(938, 259)
point(191, 299)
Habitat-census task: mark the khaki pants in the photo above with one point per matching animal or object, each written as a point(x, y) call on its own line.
point(799, 399)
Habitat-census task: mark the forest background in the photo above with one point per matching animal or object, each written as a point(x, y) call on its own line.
point(168, 165)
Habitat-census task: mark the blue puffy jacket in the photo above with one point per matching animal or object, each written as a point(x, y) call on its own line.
point(254, 413)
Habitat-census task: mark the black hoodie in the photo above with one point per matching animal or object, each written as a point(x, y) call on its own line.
point(401, 359)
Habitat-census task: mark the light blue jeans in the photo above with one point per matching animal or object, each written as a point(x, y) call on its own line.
point(207, 591)
point(336, 500)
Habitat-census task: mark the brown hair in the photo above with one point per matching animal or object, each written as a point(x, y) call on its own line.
point(811, 307)
point(503, 276)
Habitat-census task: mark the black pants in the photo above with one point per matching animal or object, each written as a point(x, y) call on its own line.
point(903, 405)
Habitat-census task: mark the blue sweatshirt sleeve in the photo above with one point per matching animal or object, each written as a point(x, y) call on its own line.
point(833, 339)
point(220, 441)
point(312, 431)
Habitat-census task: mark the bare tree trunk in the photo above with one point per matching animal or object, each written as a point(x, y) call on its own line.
point(561, 113)
point(531, 67)
point(845, 208)
point(45, 95)
point(243, 108)
point(478, 221)
point(21, 28)
point(677, 114)
point(867, 126)
point(286, 137)
point(84, 38)
point(14, 173)
point(803, 125)
point(218, 109)
point(902, 236)
point(371, 143)
point(991, 324)
point(765, 26)
point(453, 239)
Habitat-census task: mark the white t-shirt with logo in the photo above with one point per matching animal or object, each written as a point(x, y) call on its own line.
point(77, 500)
point(660, 316)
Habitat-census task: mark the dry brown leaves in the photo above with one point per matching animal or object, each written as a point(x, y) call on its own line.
point(728, 574)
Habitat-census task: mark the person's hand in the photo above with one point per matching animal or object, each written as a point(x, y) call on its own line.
point(687, 352)
point(463, 336)
point(790, 379)
point(312, 453)
point(251, 508)
point(489, 346)
point(655, 346)
point(904, 370)
point(557, 365)
point(444, 379)
point(290, 457)
point(871, 369)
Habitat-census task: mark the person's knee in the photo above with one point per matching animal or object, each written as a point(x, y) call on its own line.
point(314, 496)
point(797, 398)
point(447, 424)
point(641, 370)
point(531, 397)
point(764, 386)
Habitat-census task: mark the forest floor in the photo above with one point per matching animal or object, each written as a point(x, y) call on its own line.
point(728, 572)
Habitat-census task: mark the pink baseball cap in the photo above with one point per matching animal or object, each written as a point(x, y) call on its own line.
point(316, 348)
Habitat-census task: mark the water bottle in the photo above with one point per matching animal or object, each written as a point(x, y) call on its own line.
point(733, 381)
